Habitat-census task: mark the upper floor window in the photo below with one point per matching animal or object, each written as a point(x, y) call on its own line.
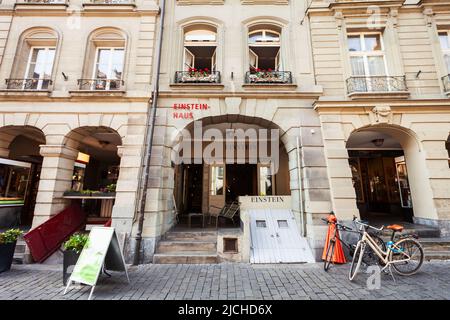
point(39, 66)
point(105, 60)
point(367, 56)
point(34, 61)
point(444, 38)
point(199, 55)
point(264, 56)
point(264, 46)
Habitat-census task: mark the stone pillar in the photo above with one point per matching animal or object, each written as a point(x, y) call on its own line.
point(343, 194)
point(56, 177)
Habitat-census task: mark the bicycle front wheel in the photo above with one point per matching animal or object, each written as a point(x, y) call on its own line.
point(329, 255)
point(409, 254)
point(356, 261)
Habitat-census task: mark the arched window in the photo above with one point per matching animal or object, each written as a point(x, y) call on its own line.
point(264, 48)
point(200, 46)
point(105, 58)
point(34, 61)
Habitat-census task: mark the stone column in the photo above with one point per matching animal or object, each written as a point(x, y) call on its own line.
point(56, 177)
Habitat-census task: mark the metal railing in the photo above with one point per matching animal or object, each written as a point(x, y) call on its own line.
point(41, 1)
point(28, 84)
point(268, 77)
point(376, 84)
point(446, 83)
point(100, 84)
point(197, 77)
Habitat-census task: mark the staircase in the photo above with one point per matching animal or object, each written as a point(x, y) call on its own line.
point(434, 246)
point(19, 251)
point(187, 247)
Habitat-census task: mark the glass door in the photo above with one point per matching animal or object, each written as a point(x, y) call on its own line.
point(403, 184)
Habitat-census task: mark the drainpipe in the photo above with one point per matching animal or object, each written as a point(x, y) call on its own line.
point(300, 189)
point(151, 116)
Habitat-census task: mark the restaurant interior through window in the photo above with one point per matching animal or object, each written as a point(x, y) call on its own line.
point(95, 175)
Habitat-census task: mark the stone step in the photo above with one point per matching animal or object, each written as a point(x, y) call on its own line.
point(19, 251)
point(185, 258)
point(168, 246)
point(437, 255)
point(435, 244)
point(191, 235)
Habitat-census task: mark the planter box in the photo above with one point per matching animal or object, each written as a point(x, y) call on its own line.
point(6, 256)
point(70, 259)
point(73, 194)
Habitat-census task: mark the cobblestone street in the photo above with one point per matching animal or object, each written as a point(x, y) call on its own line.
point(228, 281)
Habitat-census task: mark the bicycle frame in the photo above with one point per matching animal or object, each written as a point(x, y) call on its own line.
point(383, 255)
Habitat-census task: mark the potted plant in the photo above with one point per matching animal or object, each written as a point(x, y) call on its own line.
point(72, 250)
point(72, 192)
point(8, 241)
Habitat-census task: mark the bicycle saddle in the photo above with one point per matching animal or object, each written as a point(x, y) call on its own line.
point(395, 227)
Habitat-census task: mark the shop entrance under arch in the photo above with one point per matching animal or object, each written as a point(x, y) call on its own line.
point(380, 174)
point(203, 187)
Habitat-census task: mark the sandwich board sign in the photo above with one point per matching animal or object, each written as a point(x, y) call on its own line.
point(102, 251)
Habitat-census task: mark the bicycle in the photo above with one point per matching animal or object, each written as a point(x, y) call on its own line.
point(405, 255)
point(369, 257)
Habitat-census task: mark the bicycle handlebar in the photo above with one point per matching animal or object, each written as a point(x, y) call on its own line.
point(366, 225)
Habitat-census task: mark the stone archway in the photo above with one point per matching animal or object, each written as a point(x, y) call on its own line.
point(20, 168)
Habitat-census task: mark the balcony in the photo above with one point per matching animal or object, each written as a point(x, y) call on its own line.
point(28, 84)
point(109, 5)
point(100, 85)
point(377, 86)
point(268, 77)
point(197, 77)
point(446, 83)
point(112, 2)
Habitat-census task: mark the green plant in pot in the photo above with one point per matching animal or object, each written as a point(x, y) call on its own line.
point(8, 241)
point(72, 249)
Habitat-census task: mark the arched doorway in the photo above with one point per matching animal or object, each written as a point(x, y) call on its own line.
point(20, 167)
point(206, 179)
point(95, 171)
point(389, 174)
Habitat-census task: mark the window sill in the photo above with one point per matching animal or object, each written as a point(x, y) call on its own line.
point(18, 92)
point(197, 86)
point(109, 6)
point(97, 93)
point(265, 86)
point(379, 95)
point(40, 6)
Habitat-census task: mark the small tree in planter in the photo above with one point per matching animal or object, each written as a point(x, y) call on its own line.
point(72, 250)
point(8, 241)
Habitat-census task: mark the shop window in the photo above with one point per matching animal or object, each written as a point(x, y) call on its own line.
point(34, 61)
point(104, 67)
point(14, 181)
point(266, 184)
point(217, 180)
point(199, 55)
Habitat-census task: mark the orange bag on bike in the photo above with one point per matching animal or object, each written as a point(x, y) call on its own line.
point(338, 254)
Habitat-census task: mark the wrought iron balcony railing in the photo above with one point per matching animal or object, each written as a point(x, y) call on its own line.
point(446, 82)
point(358, 84)
point(29, 84)
point(197, 77)
point(268, 77)
point(41, 1)
point(113, 1)
point(100, 84)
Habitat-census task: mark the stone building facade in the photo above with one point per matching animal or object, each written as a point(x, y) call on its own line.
point(359, 92)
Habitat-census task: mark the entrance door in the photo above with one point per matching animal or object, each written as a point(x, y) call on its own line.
point(194, 188)
point(241, 181)
point(275, 238)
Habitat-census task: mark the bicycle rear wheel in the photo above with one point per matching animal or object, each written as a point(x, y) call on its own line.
point(403, 249)
point(329, 255)
point(370, 257)
point(356, 262)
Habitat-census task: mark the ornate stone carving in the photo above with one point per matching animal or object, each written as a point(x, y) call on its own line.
point(381, 114)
